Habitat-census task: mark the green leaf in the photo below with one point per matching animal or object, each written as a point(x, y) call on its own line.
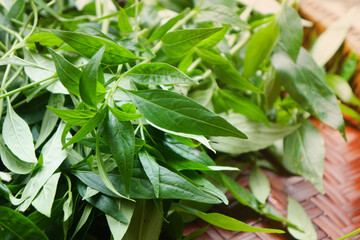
point(304, 154)
point(158, 33)
point(224, 221)
point(123, 21)
point(121, 140)
point(157, 74)
point(306, 84)
point(221, 14)
point(88, 45)
point(45, 199)
point(259, 184)
point(89, 79)
point(45, 39)
point(211, 56)
point(259, 135)
point(152, 170)
point(349, 67)
point(214, 39)
point(297, 214)
point(228, 74)
point(53, 157)
point(117, 228)
point(350, 112)
point(332, 38)
point(68, 74)
point(19, 225)
point(124, 116)
point(291, 31)
point(172, 185)
point(17, 10)
point(342, 89)
point(104, 203)
point(88, 127)
point(14, 60)
point(178, 43)
point(102, 171)
point(17, 136)
point(187, 116)
point(243, 106)
point(196, 233)
point(75, 117)
point(84, 217)
point(50, 119)
point(68, 207)
point(12, 162)
point(260, 46)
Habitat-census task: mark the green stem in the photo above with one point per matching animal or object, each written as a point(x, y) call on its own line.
point(3, 82)
point(23, 88)
point(350, 234)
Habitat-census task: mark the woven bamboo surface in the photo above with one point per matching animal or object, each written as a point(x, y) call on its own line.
point(334, 213)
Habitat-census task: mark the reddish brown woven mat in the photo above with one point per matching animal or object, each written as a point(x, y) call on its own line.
point(334, 214)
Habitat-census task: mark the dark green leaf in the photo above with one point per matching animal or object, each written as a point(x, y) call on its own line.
point(123, 21)
point(124, 116)
point(68, 74)
point(172, 186)
point(187, 116)
point(196, 233)
point(304, 154)
point(291, 31)
point(306, 84)
point(349, 67)
point(88, 127)
point(152, 170)
point(227, 74)
point(260, 46)
point(157, 74)
point(75, 117)
point(19, 225)
point(178, 43)
point(121, 140)
point(104, 203)
point(297, 214)
point(224, 221)
point(88, 45)
point(158, 33)
point(89, 79)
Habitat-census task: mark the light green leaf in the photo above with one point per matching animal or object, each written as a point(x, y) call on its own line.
point(68, 207)
point(260, 46)
point(53, 157)
point(196, 233)
point(306, 84)
point(84, 217)
point(117, 228)
point(221, 14)
point(297, 215)
point(259, 184)
point(49, 121)
point(123, 21)
point(14, 60)
point(157, 74)
point(332, 38)
point(124, 116)
point(19, 226)
point(88, 127)
point(342, 89)
point(304, 154)
point(88, 45)
point(17, 136)
point(291, 31)
point(178, 43)
point(158, 33)
point(45, 199)
point(121, 140)
point(12, 162)
point(187, 116)
point(45, 39)
point(259, 135)
point(75, 117)
point(89, 79)
point(152, 170)
point(90, 192)
point(224, 221)
point(214, 39)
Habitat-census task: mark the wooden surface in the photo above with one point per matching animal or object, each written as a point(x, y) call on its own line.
point(334, 214)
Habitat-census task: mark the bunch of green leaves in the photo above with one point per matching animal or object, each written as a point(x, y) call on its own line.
point(110, 111)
